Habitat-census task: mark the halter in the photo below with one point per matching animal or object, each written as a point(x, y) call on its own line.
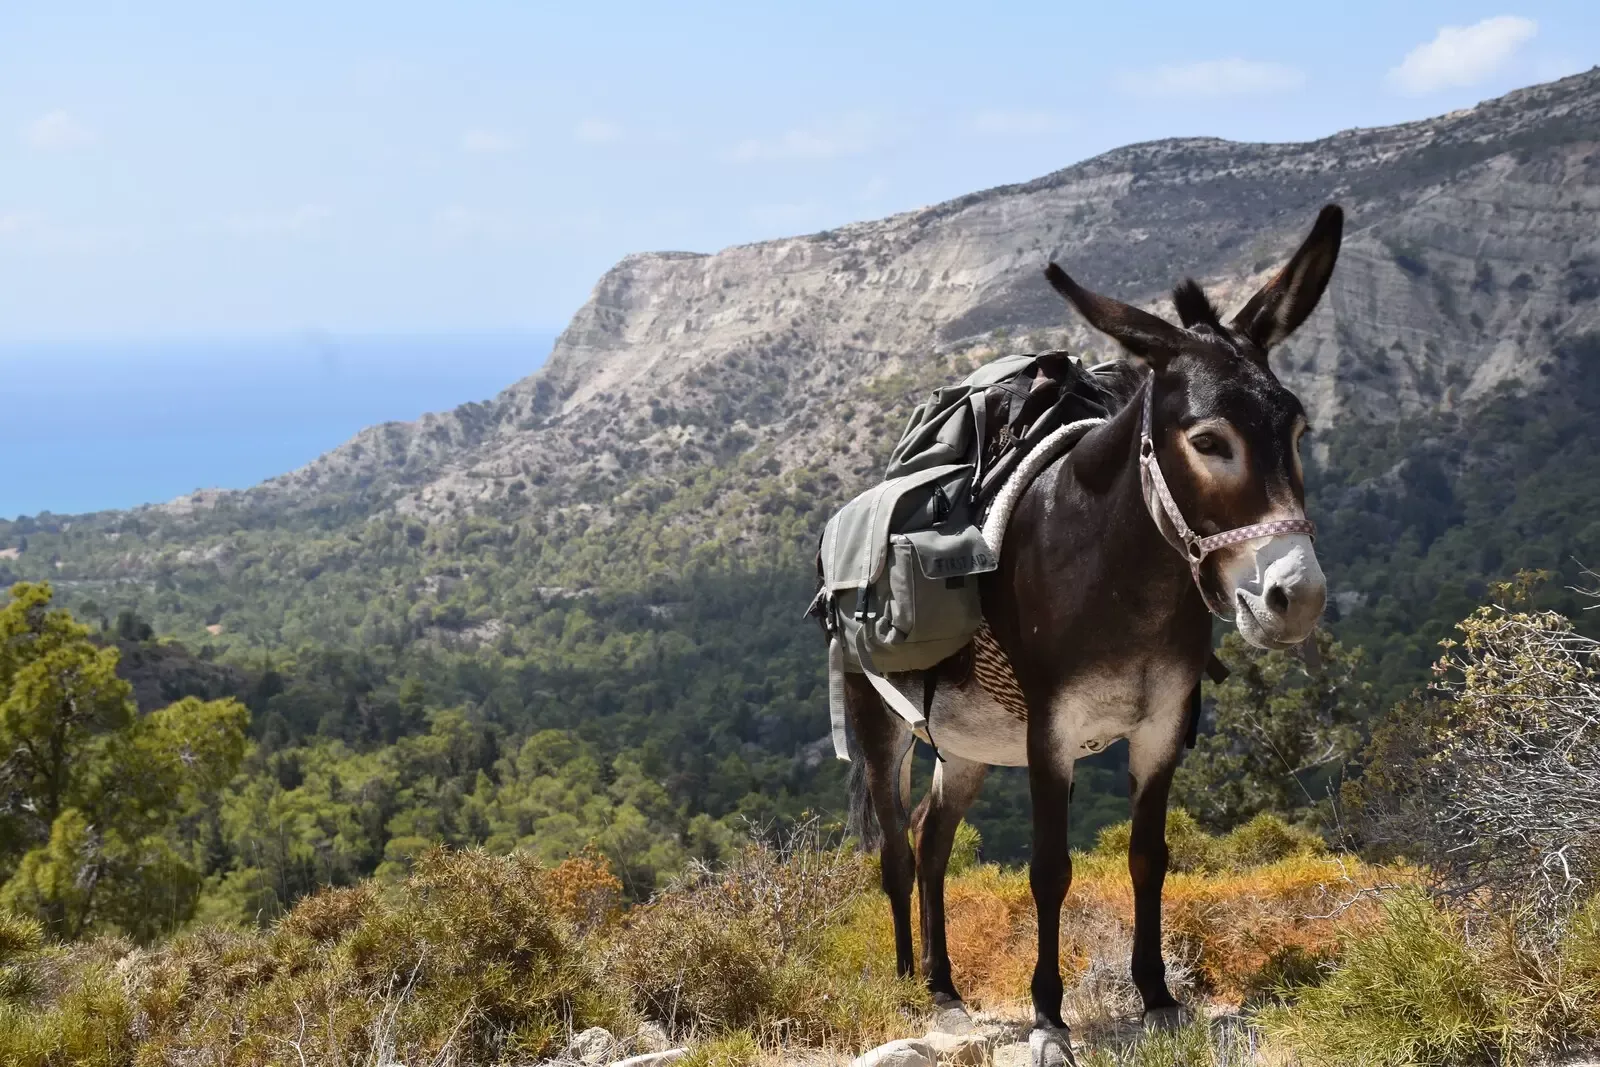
point(1189, 544)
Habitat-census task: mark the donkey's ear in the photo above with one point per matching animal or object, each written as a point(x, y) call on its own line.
point(1144, 335)
point(1284, 302)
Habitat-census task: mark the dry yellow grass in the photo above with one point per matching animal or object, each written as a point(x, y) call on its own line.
point(475, 957)
point(1236, 931)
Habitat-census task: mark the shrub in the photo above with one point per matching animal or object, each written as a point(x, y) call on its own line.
point(764, 943)
point(20, 938)
point(468, 956)
point(1268, 839)
point(736, 1049)
point(1422, 988)
point(1264, 839)
point(583, 891)
point(1493, 780)
point(89, 1025)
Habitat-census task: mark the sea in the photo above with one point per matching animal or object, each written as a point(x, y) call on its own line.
point(90, 426)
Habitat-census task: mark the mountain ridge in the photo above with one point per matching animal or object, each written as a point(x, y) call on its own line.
point(864, 299)
point(703, 409)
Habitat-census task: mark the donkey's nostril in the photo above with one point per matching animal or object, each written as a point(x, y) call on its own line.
point(1277, 600)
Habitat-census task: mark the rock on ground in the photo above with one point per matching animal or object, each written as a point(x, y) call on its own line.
point(907, 1052)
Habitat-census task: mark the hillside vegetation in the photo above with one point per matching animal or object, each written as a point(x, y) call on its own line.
point(451, 743)
point(474, 959)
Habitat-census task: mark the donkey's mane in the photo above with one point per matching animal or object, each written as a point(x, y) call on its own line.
point(1120, 379)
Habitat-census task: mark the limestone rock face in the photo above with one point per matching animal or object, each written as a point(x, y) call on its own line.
point(1470, 248)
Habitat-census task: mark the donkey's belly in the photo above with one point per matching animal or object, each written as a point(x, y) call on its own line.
point(986, 720)
point(969, 723)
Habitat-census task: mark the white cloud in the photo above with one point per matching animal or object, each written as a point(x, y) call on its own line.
point(303, 221)
point(41, 233)
point(1213, 78)
point(847, 136)
point(597, 131)
point(1462, 55)
point(57, 131)
point(1015, 123)
point(18, 223)
point(484, 142)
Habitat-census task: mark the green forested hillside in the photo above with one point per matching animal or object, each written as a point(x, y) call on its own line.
point(1416, 517)
point(570, 615)
point(412, 684)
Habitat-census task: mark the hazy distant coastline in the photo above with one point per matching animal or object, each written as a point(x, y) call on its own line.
point(93, 425)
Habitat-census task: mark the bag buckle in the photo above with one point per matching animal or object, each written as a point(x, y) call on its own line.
point(863, 598)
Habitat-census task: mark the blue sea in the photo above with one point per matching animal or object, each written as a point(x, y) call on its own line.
point(90, 426)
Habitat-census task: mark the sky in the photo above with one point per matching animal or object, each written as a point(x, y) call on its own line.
point(175, 169)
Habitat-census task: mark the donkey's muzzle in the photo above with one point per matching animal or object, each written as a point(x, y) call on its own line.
point(1284, 602)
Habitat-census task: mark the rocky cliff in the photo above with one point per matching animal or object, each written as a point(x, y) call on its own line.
point(1471, 249)
point(705, 408)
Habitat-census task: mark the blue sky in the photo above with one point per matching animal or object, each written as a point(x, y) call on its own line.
point(204, 169)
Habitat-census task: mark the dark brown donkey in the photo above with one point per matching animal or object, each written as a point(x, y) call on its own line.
point(1188, 500)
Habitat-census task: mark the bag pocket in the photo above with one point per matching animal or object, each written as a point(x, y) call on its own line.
point(931, 606)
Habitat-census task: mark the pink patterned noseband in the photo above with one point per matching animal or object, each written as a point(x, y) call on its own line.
point(1191, 545)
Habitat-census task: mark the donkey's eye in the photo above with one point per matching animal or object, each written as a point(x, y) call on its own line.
point(1210, 444)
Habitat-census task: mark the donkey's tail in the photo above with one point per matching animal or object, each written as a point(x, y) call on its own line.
point(861, 819)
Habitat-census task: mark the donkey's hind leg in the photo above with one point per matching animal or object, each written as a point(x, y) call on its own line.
point(933, 828)
point(880, 787)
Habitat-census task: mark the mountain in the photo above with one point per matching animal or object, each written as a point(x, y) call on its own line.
point(619, 544)
point(1467, 254)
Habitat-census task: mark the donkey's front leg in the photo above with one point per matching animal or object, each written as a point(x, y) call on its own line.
point(1049, 875)
point(1153, 753)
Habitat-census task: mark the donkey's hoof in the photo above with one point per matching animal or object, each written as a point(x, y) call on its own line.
point(1050, 1048)
point(1172, 1017)
point(952, 1017)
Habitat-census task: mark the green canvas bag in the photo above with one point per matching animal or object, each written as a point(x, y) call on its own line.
point(900, 563)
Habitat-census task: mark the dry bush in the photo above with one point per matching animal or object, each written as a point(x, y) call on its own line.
point(736, 1049)
point(466, 960)
point(764, 943)
point(1493, 780)
point(1236, 929)
point(584, 891)
point(330, 914)
point(1201, 1043)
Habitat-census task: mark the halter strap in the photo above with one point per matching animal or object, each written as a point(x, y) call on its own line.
point(1189, 544)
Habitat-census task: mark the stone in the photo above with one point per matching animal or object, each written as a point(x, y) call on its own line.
point(1050, 1048)
point(953, 1019)
point(960, 1050)
point(907, 1052)
point(654, 1059)
point(594, 1045)
point(651, 1037)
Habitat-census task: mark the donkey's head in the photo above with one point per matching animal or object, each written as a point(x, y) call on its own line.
point(1227, 433)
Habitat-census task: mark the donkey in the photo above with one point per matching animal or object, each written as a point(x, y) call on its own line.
point(1187, 502)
